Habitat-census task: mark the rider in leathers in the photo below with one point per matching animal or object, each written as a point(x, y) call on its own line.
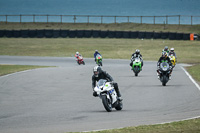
point(134, 55)
point(100, 74)
point(164, 58)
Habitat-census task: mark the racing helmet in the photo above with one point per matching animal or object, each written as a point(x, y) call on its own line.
point(166, 48)
point(137, 51)
point(96, 71)
point(77, 53)
point(172, 49)
point(96, 51)
point(164, 54)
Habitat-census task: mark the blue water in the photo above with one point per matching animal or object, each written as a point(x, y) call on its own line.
point(102, 7)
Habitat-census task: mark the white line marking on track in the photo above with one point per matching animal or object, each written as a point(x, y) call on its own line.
point(190, 77)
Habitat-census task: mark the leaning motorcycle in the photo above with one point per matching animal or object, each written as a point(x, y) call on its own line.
point(137, 66)
point(164, 71)
point(99, 60)
point(105, 90)
point(80, 60)
point(173, 60)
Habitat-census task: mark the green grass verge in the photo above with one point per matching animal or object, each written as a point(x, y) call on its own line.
point(7, 69)
point(112, 27)
point(195, 72)
point(187, 51)
point(187, 126)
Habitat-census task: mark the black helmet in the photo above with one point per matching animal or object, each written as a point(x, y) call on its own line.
point(164, 54)
point(96, 71)
point(137, 51)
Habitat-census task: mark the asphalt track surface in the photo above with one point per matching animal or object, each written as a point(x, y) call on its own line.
point(59, 99)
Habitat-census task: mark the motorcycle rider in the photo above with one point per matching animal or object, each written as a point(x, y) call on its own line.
point(95, 54)
point(164, 58)
point(77, 55)
point(100, 74)
point(166, 49)
point(173, 53)
point(135, 55)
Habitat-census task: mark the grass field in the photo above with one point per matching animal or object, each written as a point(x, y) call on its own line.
point(7, 69)
point(112, 27)
point(187, 51)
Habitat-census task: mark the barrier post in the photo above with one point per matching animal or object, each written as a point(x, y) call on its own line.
point(61, 19)
point(154, 19)
point(115, 19)
point(191, 37)
point(141, 19)
point(88, 19)
point(6, 19)
point(179, 19)
point(101, 19)
point(128, 19)
point(33, 18)
point(20, 18)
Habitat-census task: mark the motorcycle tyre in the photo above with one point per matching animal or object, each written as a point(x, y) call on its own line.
point(119, 106)
point(164, 80)
point(107, 106)
point(83, 63)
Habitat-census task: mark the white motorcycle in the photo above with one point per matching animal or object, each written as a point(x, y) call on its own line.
point(105, 90)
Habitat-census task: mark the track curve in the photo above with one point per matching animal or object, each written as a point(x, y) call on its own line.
point(59, 99)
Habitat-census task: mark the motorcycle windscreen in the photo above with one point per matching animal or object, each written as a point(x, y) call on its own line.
point(164, 66)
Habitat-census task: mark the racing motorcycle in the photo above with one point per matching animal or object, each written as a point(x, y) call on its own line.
point(164, 71)
point(137, 66)
point(173, 60)
point(99, 60)
point(105, 90)
point(80, 60)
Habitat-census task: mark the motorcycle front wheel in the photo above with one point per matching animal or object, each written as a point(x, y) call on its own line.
point(107, 103)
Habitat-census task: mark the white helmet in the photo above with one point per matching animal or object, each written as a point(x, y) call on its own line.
point(96, 70)
point(137, 51)
point(77, 53)
point(172, 49)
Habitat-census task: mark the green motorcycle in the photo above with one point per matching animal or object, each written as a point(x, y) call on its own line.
point(99, 60)
point(137, 66)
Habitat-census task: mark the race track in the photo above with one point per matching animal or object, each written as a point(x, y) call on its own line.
point(59, 99)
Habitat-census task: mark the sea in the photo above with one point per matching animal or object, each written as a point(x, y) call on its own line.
point(102, 11)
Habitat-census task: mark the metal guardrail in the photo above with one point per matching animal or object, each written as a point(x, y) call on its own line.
point(177, 19)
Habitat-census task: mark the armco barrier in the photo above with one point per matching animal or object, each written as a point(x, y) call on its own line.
point(126, 34)
point(141, 35)
point(56, 33)
point(80, 33)
point(32, 33)
point(157, 35)
point(93, 33)
point(72, 33)
point(64, 33)
point(111, 34)
point(17, 33)
point(179, 36)
point(103, 34)
point(88, 33)
point(40, 33)
point(164, 35)
point(48, 33)
point(149, 35)
point(186, 36)
point(9, 33)
point(118, 34)
point(25, 33)
point(2, 33)
point(96, 33)
point(172, 36)
point(134, 34)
